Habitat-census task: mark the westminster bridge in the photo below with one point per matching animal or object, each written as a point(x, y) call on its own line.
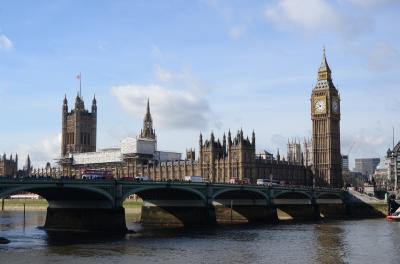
point(96, 205)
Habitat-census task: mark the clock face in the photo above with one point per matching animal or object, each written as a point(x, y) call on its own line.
point(319, 106)
point(335, 106)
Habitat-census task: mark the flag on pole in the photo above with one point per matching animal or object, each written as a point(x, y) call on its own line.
point(78, 77)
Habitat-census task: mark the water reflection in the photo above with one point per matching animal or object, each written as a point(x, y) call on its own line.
point(369, 241)
point(330, 247)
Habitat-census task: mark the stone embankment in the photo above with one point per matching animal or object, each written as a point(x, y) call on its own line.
point(363, 206)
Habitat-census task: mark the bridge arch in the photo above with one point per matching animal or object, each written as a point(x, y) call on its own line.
point(53, 192)
point(75, 206)
point(242, 205)
point(170, 205)
point(292, 194)
point(329, 196)
point(184, 190)
point(256, 193)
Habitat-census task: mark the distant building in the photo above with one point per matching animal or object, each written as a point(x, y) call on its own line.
point(8, 167)
point(27, 169)
point(366, 166)
point(383, 176)
point(394, 157)
point(294, 154)
point(265, 155)
point(300, 153)
point(308, 152)
point(345, 163)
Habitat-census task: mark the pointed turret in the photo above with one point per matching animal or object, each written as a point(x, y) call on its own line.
point(94, 104)
point(65, 105)
point(79, 104)
point(148, 131)
point(324, 72)
point(229, 138)
point(28, 162)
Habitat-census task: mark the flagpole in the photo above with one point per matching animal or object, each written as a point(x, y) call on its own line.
point(393, 137)
point(80, 85)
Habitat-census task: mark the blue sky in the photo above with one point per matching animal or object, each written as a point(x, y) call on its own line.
point(206, 66)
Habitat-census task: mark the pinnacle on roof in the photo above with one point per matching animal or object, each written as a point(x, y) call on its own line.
point(324, 64)
point(147, 117)
point(148, 131)
point(324, 72)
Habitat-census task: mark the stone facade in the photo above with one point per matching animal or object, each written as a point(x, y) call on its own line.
point(8, 167)
point(387, 174)
point(218, 161)
point(79, 127)
point(294, 153)
point(325, 116)
point(383, 176)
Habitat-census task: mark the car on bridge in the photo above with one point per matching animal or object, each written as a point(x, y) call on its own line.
point(267, 182)
point(142, 178)
point(239, 181)
point(193, 179)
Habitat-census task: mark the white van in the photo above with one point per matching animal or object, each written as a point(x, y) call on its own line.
point(142, 178)
point(267, 182)
point(193, 179)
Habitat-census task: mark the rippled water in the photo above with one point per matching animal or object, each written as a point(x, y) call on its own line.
point(365, 241)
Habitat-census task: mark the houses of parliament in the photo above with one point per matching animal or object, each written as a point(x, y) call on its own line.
point(217, 160)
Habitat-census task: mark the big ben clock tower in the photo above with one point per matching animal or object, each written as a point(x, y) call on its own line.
point(325, 116)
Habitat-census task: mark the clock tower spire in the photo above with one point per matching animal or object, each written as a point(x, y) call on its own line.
point(325, 116)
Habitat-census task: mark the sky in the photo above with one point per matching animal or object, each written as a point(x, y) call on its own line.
point(205, 65)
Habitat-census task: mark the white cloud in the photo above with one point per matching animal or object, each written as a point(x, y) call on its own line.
point(237, 21)
point(367, 143)
point(308, 14)
point(163, 75)
point(156, 52)
point(237, 31)
point(178, 101)
point(41, 152)
point(383, 56)
point(368, 3)
point(312, 16)
point(5, 42)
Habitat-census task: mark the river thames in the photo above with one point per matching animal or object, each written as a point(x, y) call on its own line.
point(350, 241)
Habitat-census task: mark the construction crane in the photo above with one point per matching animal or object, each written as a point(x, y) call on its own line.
point(351, 147)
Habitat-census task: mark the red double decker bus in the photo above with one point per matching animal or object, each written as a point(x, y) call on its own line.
point(89, 174)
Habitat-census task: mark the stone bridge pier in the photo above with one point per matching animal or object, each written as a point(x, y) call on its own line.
point(76, 207)
point(243, 206)
point(83, 210)
point(173, 206)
